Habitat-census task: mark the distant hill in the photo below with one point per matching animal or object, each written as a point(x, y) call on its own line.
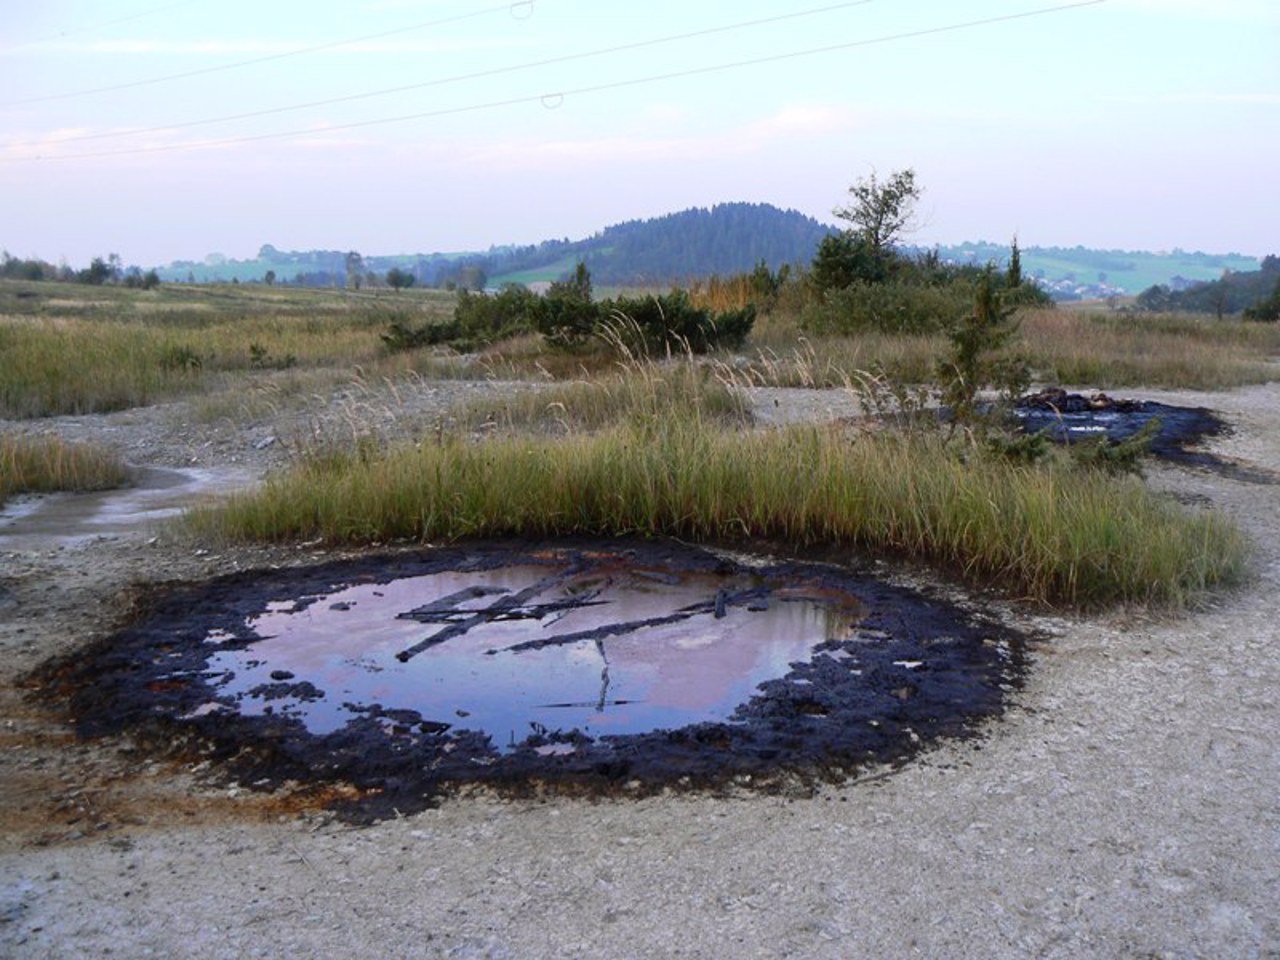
point(723, 239)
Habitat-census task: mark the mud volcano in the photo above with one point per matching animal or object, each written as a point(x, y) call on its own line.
point(596, 667)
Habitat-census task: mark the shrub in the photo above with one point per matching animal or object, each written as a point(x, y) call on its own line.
point(485, 318)
point(567, 316)
point(655, 325)
point(1026, 294)
point(260, 358)
point(1118, 457)
point(972, 364)
point(398, 279)
point(1267, 311)
point(889, 307)
point(401, 336)
point(846, 258)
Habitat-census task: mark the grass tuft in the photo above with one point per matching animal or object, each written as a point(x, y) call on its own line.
point(635, 392)
point(1052, 534)
point(49, 464)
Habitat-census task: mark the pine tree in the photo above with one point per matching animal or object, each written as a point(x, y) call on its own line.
point(1014, 279)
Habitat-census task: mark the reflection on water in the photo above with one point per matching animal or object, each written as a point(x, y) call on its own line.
point(44, 521)
point(529, 650)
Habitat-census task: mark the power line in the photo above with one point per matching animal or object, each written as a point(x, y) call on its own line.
point(509, 7)
point(556, 97)
point(496, 71)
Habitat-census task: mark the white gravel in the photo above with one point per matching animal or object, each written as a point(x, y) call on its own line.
point(1127, 806)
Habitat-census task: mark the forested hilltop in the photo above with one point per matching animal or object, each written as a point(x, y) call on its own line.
point(724, 239)
point(700, 242)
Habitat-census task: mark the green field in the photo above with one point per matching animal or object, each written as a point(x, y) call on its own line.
point(1131, 271)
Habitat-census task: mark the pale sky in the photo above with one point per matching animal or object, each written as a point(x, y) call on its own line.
point(168, 130)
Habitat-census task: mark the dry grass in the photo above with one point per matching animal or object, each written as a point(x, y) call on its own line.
point(65, 349)
point(48, 465)
point(626, 447)
point(631, 392)
point(1169, 350)
point(1052, 534)
point(782, 357)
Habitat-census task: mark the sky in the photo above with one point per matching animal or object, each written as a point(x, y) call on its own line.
point(166, 131)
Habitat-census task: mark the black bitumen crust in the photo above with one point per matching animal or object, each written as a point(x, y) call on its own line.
point(823, 720)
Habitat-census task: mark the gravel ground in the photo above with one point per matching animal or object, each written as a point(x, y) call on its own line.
point(1128, 805)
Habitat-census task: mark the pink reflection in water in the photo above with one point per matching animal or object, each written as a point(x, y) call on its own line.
point(697, 668)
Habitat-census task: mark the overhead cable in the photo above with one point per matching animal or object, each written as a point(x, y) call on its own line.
point(331, 45)
point(476, 75)
point(556, 97)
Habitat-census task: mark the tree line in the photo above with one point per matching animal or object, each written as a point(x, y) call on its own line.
point(101, 270)
point(1254, 293)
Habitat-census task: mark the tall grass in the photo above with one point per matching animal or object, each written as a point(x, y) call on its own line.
point(834, 362)
point(70, 349)
point(49, 464)
point(69, 366)
point(182, 304)
point(723, 294)
point(1060, 345)
point(635, 392)
point(74, 367)
point(1165, 350)
point(1054, 534)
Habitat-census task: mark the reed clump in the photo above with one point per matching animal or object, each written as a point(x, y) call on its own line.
point(1051, 533)
point(50, 464)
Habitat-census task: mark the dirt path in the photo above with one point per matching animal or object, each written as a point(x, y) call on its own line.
point(1129, 805)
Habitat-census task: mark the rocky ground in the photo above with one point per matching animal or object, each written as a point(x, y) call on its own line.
point(1127, 805)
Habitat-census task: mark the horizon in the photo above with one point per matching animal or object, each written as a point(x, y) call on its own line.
point(377, 254)
point(445, 125)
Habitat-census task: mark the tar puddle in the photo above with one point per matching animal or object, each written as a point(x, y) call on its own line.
point(1177, 432)
point(592, 666)
point(529, 651)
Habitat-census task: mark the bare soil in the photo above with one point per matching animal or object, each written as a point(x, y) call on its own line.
point(1126, 805)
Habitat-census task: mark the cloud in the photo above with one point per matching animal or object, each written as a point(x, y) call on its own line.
point(1263, 11)
point(786, 125)
point(1192, 98)
point(799, 120)
point(33, 146)
point(272, 48)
